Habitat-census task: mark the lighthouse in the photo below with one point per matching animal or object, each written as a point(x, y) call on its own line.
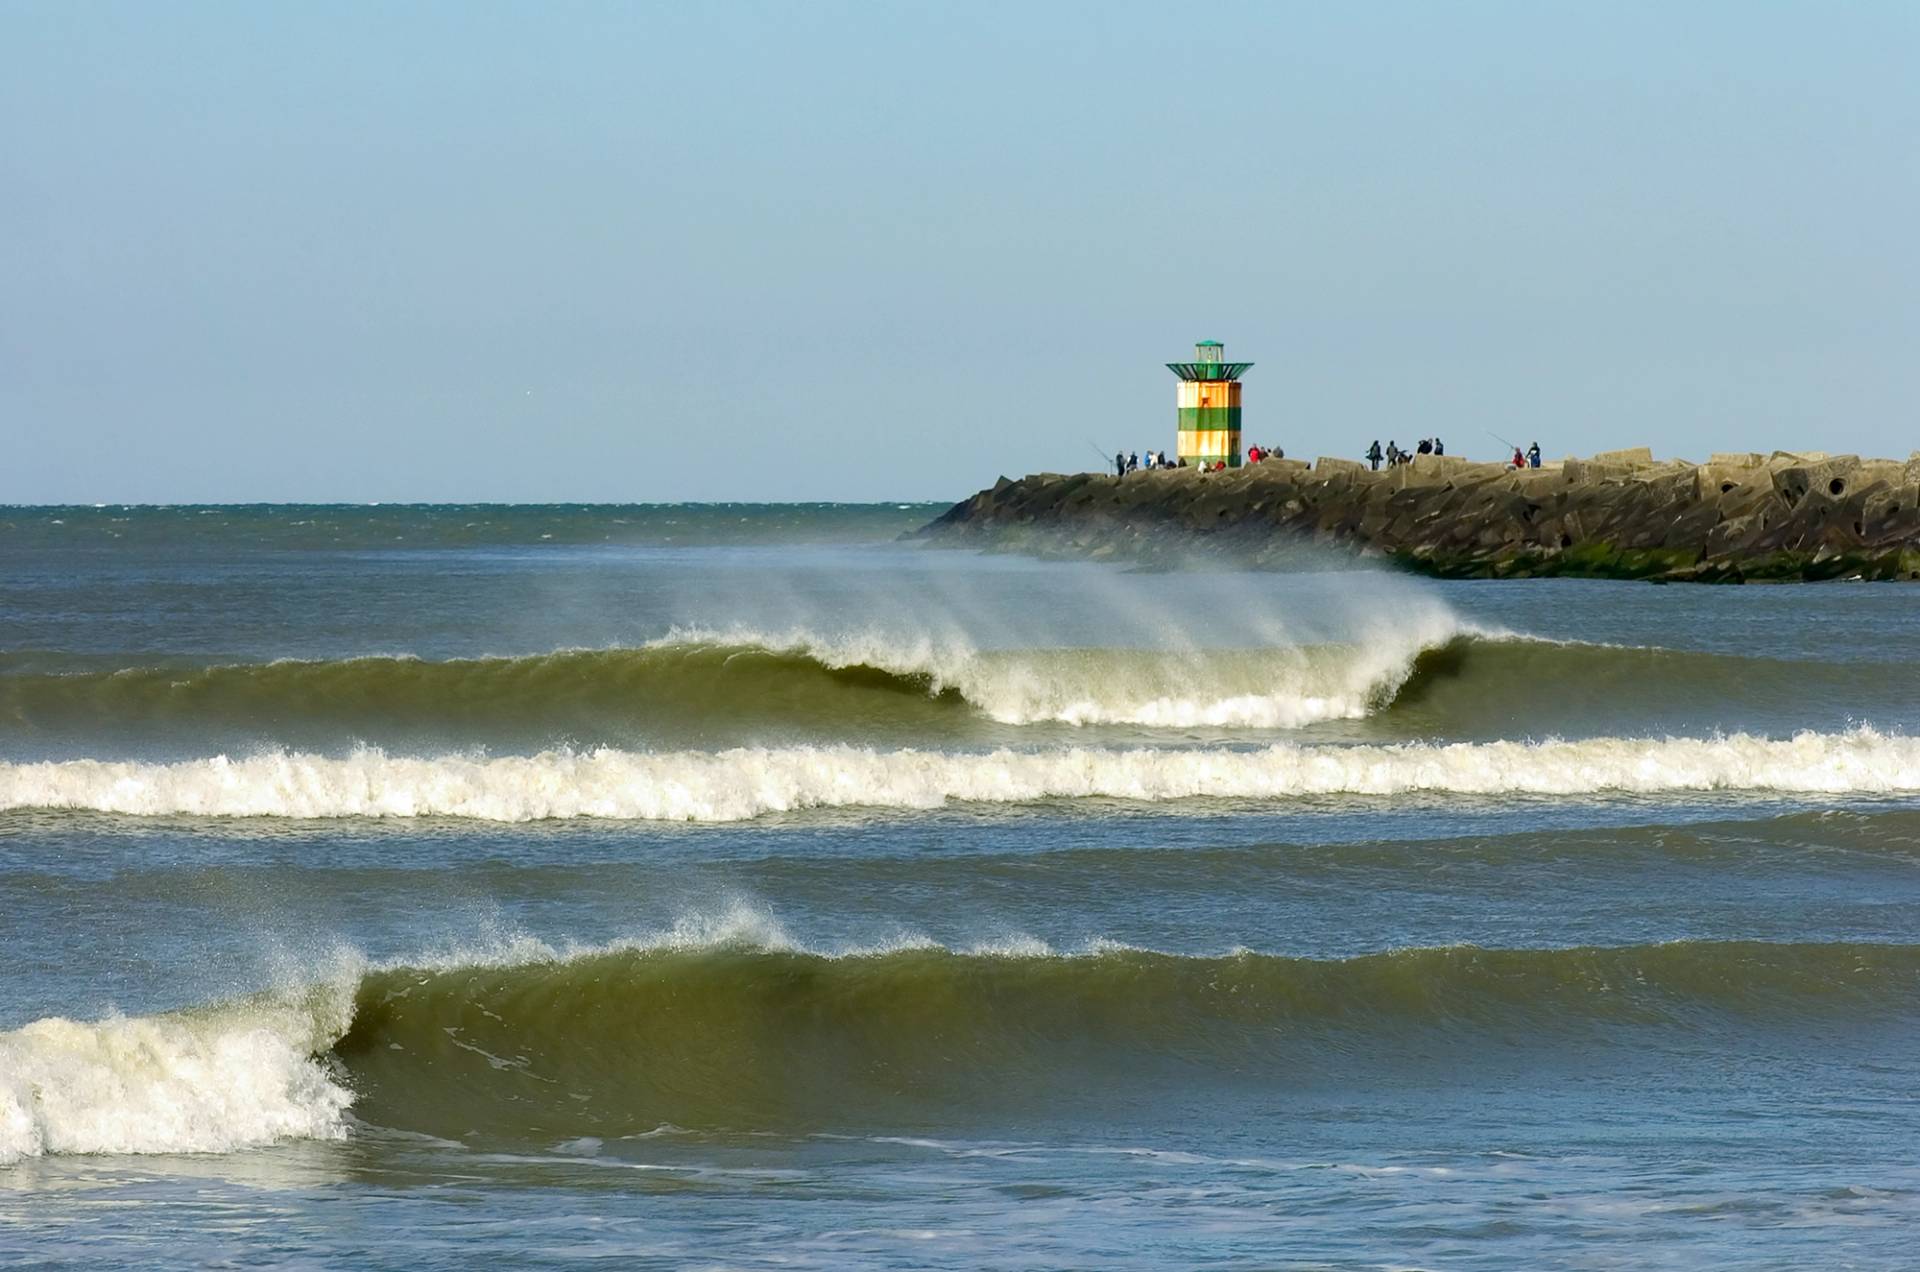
point(1209, 407)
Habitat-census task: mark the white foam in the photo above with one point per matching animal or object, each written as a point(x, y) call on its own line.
point(1284, 686)
point(205, 1081)
point(743, 783)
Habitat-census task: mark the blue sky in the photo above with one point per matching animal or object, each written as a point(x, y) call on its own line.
point(817, 250)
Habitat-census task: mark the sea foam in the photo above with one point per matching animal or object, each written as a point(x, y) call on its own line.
point(201, 1081)
point(1280, 686)
point(733, 785)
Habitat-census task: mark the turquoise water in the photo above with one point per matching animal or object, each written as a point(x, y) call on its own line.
point(744, 887)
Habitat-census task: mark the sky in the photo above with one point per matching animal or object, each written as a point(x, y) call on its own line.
point(793, 251)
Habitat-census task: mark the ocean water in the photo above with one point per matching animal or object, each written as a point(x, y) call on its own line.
point(742, 887)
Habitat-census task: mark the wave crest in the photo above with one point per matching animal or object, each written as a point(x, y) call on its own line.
point(743, 783)
point(708, 1027)
point(698, 685)
point(1279, 687)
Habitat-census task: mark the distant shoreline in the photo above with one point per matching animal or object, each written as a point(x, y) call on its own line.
point(1742, 517)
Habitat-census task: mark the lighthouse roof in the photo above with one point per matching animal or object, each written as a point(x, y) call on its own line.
point(1208, 370)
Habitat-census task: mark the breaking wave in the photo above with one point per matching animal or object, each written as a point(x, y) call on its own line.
point(730, 1026)
point(706, 689)
point(207, 1080)
point(705, 683)
point(1275, 687)
point(742, 783)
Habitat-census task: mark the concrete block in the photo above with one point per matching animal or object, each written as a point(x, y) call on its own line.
point(1422, 471)
point(1825, 481)
point(1794, 459)
point(1582, 471)
point(1632, 456)
point(1712, 481)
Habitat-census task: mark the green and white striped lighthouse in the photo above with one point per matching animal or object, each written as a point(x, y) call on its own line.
point(1209, 404)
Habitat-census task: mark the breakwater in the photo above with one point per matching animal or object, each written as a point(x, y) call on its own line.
point(1743, 517)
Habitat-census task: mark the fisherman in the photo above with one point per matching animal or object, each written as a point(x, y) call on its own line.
point(1373, 454)
point(1119, 464)
point(1133, 462)
point(1519, 460)
point(1439, 447)
point(1425, 447)
point(1533, 455)
point(1253, 454)
point(1393, 453)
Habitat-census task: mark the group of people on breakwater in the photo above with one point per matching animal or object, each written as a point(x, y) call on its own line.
point(1125, 462)
point(1394, 456)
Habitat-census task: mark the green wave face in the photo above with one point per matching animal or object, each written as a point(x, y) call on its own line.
point(740, 1039)
point(718, 693)
point(1481, 687)
point(701, 692)
point(679, 694)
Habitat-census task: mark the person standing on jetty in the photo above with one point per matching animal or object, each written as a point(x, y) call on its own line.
point(1373, 454)
point(1533, 455)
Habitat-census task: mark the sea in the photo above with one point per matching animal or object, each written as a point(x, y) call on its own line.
point(749, 886)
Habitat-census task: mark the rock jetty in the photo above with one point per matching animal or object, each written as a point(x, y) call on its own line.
point(1621, 514)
